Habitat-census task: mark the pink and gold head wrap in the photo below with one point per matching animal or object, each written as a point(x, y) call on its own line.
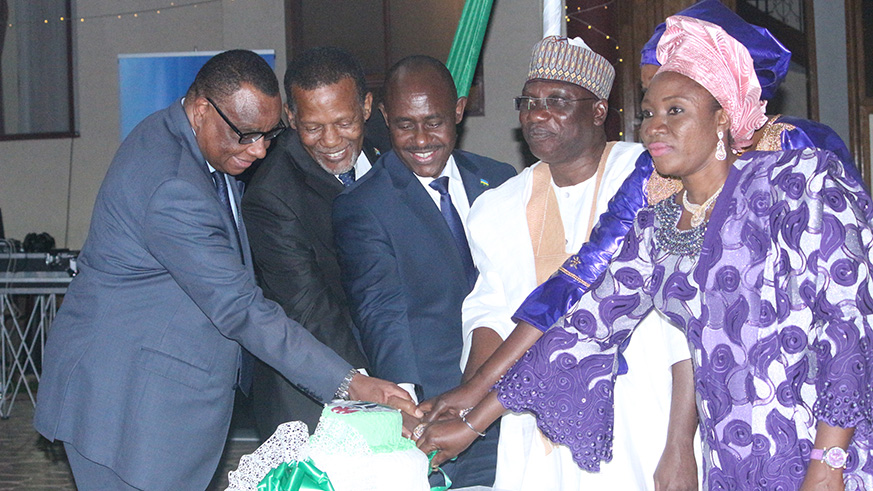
point(705, 53)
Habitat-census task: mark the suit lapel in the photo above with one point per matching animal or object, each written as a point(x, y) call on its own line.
point(323, 183)
point(414, 195)
point(422, 205)
point(183, 130)
point(236, 191)
point(316, 192)
point(371, 152)
point(473, 184)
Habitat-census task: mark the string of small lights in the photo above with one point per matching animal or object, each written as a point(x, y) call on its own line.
point(579, 14)
point(119, 15)
point(595, 21)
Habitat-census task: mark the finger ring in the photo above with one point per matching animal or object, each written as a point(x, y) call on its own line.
point(419, 430)
point(464, 412)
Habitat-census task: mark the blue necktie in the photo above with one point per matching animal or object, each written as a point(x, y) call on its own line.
point(456, 226)
point(347, 178)
point(221, 189)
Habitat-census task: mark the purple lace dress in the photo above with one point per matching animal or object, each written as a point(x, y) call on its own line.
point(777, 311)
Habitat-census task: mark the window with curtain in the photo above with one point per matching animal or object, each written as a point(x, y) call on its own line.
point(36, 82)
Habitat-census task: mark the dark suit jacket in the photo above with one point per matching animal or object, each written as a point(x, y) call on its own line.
point(142, 359)
point(287, 207)
point(406, 282)
point(403, 272)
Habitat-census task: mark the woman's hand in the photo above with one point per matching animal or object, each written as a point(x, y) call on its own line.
point(489, 360)
point(449, 436)
point(677, 470)
point(449, 404)
point(452, 436)
point(820, 477)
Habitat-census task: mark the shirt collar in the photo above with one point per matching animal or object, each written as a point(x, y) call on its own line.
point(450, 170)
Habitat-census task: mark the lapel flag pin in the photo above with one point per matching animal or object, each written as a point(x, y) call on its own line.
point(483, 182)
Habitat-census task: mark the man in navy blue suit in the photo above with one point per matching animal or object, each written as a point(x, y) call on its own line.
point(402, 245)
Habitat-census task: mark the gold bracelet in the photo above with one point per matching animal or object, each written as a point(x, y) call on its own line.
point(464, 419)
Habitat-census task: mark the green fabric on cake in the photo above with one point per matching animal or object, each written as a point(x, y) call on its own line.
point(379, 425)
point(296, 476)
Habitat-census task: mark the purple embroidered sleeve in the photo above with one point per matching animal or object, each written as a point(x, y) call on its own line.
point(549, 301)
point(841, 302)
point(566, 379)
point(812, 134)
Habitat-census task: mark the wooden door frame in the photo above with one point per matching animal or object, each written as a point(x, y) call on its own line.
point(860, 106)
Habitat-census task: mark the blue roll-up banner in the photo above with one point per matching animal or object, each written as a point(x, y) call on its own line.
point(149, 82)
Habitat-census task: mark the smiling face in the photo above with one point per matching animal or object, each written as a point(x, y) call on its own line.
point(681, 120)
point(421, 114)
point(559, 136)
point(250, 110)
point(330, 123)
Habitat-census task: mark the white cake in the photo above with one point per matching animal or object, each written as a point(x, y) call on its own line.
point(359, 446)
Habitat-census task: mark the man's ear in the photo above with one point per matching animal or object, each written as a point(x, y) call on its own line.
point(368, 105)
point(199, 108)
point(600, 110)
point(384, 113)
point(459, 109)
point(290, 115)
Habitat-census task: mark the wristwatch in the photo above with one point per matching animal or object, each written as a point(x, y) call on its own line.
point(834, 457)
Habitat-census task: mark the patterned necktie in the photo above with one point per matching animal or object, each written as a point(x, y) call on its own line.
point(347, 178)
point(221, 189)
point(456, 226)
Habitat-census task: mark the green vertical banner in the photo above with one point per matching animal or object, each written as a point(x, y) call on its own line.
point(468, 43)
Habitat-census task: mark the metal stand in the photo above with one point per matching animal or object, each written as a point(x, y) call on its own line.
point(19, 341)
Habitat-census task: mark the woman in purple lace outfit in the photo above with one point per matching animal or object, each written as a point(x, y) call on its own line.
point(764, 263)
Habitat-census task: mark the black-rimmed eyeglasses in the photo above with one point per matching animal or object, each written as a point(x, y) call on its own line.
point(526, 103)
point(253, 136)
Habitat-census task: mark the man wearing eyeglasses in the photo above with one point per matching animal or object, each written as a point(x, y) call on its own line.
point(287, 209)
point(520, 234)
point(151, 341)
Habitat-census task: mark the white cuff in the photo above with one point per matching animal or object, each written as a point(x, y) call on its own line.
point(408, 387)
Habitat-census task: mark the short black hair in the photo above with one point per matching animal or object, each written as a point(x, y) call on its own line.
point(322, 66)
point(225, 72)
point(420, 62)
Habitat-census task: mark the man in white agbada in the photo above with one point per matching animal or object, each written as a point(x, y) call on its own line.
point(521, 232)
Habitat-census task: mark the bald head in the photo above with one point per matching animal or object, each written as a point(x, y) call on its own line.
point(421, 109)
